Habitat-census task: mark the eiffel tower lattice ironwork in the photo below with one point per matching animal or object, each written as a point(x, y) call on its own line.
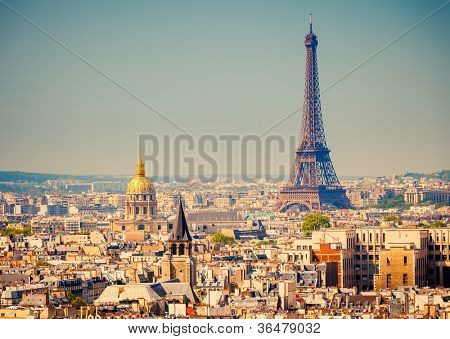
point(313, 183)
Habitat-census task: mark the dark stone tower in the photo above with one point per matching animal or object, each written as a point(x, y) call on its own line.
point(177, 262)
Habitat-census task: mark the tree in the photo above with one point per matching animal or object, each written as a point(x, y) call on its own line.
point(442, 204)
point(222, 239)
point(27, 231)
point(397, 201)
point(10, 231)
point(314, 221)
point(437, 224)
point(77, 302)
point(393, 218)
point(265, 242)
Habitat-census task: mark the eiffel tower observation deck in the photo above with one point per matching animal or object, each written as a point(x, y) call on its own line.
point(313, 184)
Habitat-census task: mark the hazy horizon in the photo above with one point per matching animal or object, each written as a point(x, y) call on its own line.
point(220, 176)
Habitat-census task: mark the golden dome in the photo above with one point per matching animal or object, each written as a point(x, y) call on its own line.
point(140, 184)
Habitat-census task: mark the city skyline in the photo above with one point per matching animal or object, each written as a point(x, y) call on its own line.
point(224, 168)
point(242, 75)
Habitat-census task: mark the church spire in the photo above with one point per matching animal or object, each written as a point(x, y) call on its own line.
point(180, 230)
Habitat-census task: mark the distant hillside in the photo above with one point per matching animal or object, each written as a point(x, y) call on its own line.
point(16, 176)
point(39, 178)
point(442, 175)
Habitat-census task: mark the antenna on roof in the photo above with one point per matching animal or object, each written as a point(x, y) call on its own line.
point(310, 23)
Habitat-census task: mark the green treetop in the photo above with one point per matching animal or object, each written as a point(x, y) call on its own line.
point(222, 239)
point(314, 221)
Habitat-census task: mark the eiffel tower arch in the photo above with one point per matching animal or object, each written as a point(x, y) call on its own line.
point(313, 183)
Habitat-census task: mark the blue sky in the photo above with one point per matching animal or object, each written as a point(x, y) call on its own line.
point(221, 67)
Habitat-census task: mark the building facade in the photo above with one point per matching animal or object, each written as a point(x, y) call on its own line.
point(377, 258)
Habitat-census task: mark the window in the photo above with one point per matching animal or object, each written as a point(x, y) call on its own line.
point(170, 226)
point(181, 250)
point(137, 210)
point(364, 237)
point(151, 210)
point(145, 210)
point(405, 260)
point(141, 228)
point(384, 237)
point(388, 262)
point(388, 281)
point(370, 237)
point(123, 227)
point(159, 227)
point(145, 197)
point(405, 279)
point(151, 197)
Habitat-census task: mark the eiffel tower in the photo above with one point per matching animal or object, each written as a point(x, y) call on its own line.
point(313, 184)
